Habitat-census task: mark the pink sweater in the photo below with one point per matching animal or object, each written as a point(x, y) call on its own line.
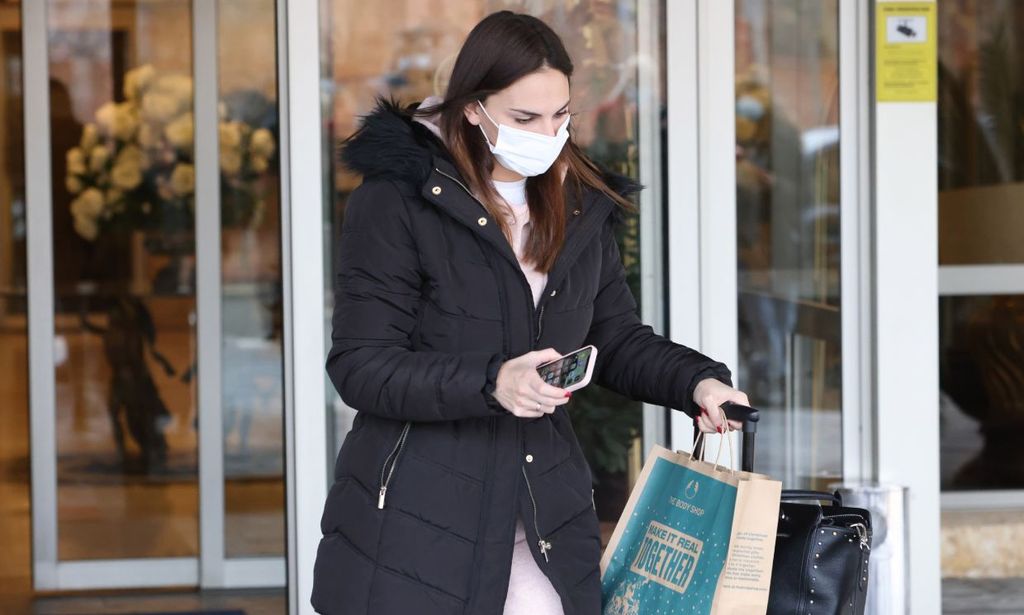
point(514, 194)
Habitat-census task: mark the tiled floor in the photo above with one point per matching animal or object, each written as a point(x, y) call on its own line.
point(982, 596)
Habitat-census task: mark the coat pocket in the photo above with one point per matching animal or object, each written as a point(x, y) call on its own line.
point(391, 462)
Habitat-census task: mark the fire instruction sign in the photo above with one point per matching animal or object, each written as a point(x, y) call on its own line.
point(905, 52)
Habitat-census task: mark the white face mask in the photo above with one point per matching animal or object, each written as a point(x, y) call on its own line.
point(524, 152)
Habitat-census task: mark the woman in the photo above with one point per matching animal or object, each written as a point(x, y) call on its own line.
point(481, 244)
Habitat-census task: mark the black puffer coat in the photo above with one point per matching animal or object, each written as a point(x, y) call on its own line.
point(421, 517)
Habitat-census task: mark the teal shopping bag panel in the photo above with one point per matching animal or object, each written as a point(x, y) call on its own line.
point(673, 547)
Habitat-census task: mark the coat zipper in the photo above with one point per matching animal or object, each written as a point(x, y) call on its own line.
point(386, 472)
point(540, 324)
point(538, 309)
point(544, 545)
point(522, 277)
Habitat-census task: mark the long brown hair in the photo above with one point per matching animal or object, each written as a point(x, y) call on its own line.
point(500, 50)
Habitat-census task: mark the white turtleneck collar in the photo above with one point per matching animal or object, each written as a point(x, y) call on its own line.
point(513, 192)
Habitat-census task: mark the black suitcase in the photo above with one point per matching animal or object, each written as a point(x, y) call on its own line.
point(821, 552)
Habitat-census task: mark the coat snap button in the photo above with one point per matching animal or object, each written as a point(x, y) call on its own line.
point(482, 221)
point(529, 459)
point(575, 212)
point(436, 190)
point(553, 292)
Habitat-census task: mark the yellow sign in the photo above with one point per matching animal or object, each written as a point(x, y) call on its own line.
point(905, 52)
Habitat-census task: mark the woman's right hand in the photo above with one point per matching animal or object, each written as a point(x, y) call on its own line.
point(520, 389)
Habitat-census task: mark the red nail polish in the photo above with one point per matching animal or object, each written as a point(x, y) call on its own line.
point(568, 393)
point(720, 430)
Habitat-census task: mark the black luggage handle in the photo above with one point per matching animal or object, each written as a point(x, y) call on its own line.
point(738, 412)
point(735, 412)
point(745, 414)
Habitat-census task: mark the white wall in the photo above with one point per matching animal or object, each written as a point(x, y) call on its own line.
point(906, 329)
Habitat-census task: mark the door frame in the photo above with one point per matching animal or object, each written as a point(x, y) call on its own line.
point(308, 456)
point(304, 251)
point(701, 267)
point(702, 216)
point(881, 154)
point(702, 172)
point(211, 568)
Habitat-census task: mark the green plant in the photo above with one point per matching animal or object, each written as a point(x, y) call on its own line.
point(605, 422)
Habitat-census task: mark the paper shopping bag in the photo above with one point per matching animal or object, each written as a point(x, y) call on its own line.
point(747, 575)
point(694, 538)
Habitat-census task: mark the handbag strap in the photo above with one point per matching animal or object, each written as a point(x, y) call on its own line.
point(791, 495)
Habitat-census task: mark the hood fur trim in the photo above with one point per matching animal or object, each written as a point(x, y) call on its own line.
point(390, 144)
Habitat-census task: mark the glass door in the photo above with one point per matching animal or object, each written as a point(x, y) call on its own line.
point(155, 294)
point(765, 217)
point(788, 221)
point(406, 49)
point(981, 285)
point(739, 244)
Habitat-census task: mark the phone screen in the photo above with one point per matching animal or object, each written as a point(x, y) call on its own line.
point(566, 371)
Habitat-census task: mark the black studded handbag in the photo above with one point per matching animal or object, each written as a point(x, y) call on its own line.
point(821, 552)
point(821, 556)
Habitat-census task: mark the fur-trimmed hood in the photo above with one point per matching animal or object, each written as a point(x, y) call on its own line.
point(391, 144)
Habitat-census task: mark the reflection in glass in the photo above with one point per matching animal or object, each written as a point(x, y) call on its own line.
point(981, 221)
point(121, 106)
point(787, 175)
point(982, 406)
point(125, 278)
point(122, 140)
point(252, 376)
point(15, 528)
point(407, 49)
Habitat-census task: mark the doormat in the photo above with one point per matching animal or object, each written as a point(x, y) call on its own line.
point(236, 612)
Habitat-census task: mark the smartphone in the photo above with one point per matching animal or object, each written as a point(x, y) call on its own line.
point(571, 371)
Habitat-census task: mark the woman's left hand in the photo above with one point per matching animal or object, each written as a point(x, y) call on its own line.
point(710, 394)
